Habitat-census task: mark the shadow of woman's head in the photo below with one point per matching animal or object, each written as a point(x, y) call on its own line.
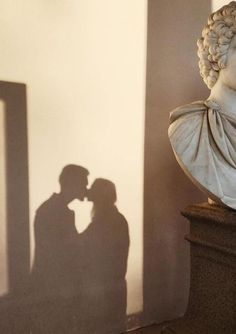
point(102, 193)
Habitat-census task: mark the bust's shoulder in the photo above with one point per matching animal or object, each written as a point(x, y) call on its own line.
point(194, 107)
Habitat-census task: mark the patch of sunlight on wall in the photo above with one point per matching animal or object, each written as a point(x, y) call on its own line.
point(3, 216)
point(217, 4)
point(84, 66)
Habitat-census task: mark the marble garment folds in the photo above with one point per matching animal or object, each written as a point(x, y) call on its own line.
point(203, 139)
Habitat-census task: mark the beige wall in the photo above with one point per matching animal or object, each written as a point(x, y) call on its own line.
point(84, 66)
point(217, 4)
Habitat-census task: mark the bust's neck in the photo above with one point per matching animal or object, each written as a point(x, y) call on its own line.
point(225, 97)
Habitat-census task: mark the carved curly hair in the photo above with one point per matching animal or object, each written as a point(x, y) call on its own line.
point(214, 44)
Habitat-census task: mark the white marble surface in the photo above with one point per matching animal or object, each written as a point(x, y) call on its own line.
point(204, 142)
point(203, 133)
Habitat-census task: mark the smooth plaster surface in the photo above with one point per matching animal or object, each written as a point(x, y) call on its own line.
point(83, 63)
point(172, 79)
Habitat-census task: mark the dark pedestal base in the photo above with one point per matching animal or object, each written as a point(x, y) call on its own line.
point(212, 300)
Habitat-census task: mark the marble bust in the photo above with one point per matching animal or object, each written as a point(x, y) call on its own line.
point(203, 133)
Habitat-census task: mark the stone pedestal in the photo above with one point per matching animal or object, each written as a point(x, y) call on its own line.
point(212, 301)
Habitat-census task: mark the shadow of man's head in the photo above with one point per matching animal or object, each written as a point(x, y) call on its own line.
point(73, 181)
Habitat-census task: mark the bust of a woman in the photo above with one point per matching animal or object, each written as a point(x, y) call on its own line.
point(203, 133)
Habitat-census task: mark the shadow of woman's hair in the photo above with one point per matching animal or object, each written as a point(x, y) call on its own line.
point(102, 191)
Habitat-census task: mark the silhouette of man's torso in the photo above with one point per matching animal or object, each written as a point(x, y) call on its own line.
point(55, 248)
